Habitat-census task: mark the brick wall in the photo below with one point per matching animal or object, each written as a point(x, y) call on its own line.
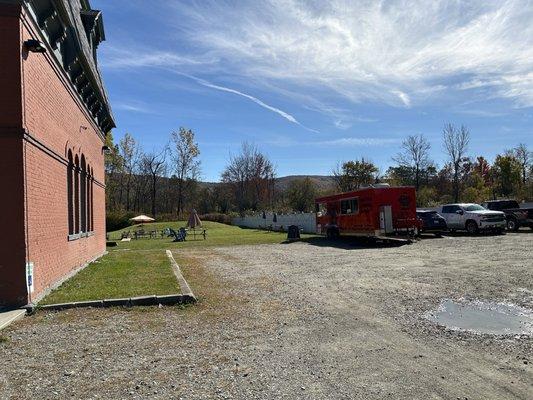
point(12, 241)
point(55, 117)
point(51, 119)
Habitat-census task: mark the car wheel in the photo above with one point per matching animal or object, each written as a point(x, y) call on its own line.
point(512, 225)
point(471, 227)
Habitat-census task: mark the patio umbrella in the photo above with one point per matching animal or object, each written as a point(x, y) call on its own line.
point(194, 220)
point(142, 219)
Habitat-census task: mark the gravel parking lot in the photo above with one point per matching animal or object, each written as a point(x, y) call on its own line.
point(307, 320)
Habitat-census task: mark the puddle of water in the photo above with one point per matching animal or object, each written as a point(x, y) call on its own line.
point(483, 317)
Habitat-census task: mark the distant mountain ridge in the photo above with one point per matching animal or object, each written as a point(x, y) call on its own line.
point(322, 182)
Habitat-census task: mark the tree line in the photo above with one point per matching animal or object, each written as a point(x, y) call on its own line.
point(161, 181)
point(461, 178)
point(165, 182)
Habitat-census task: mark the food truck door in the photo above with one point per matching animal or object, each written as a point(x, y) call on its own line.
point(385, 219)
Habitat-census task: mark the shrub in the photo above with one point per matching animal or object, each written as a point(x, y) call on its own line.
point(167, 217)
point(426, 197)
point(218, 217)
point(116, 220)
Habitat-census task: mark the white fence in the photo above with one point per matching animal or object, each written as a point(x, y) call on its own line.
point(306, 221)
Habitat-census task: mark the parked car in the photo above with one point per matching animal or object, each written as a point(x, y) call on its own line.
point(472, 218)
point(431, 222)
point(514, 215)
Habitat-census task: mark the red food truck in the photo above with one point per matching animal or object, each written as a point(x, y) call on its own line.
point(377, 211)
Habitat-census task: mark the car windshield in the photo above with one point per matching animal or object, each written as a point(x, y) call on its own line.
point(474, 207)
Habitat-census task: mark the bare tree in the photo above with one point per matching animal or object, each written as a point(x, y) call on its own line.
point(415, 155)
point(251, 175)
point(129, 150)
point(154, 165)
point(523, 155)
point(187, 166)
point(456, 142)
point(113, 168)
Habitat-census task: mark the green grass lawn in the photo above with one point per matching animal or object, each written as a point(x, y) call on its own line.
point(120, 273)
point(217, 235)
point(141, 267)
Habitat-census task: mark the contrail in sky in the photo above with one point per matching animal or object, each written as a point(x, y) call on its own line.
point(285, 115)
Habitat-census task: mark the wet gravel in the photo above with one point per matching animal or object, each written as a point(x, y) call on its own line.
point(314, 320)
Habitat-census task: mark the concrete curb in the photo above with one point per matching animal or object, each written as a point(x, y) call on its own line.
point(8, 317)
point(168, 300)
point(184, 286)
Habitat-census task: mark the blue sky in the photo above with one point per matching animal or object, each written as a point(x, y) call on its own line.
point(313, 83)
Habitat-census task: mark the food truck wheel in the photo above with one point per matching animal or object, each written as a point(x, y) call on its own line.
point(332, 233)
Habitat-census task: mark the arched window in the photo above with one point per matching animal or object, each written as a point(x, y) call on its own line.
point(83, 191)
point(92, 199)
point(76, 195)
point(70, 172)
point(89, 198)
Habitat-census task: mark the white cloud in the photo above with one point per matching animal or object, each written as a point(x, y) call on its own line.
point(357, 142)
point(285, 141)
point(400, 53)
point(124, 59)
point(118, 58)
point(341, 124)
point(481, 113)
point(403, 97)
point(133, 107)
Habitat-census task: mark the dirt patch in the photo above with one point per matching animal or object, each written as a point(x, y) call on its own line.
point(296, 321)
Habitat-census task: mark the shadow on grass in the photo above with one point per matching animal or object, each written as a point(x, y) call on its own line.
point(349, 243)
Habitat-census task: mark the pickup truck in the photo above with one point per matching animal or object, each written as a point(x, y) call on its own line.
point(514, 215)
point(472, 218)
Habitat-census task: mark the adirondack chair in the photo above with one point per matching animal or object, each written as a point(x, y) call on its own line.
point(180, 235)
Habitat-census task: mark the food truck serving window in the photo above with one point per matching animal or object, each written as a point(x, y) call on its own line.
point(349, 206)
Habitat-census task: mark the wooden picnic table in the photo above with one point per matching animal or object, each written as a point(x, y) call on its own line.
point(202, 232)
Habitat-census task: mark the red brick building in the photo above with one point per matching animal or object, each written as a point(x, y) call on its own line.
point(54, 115)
